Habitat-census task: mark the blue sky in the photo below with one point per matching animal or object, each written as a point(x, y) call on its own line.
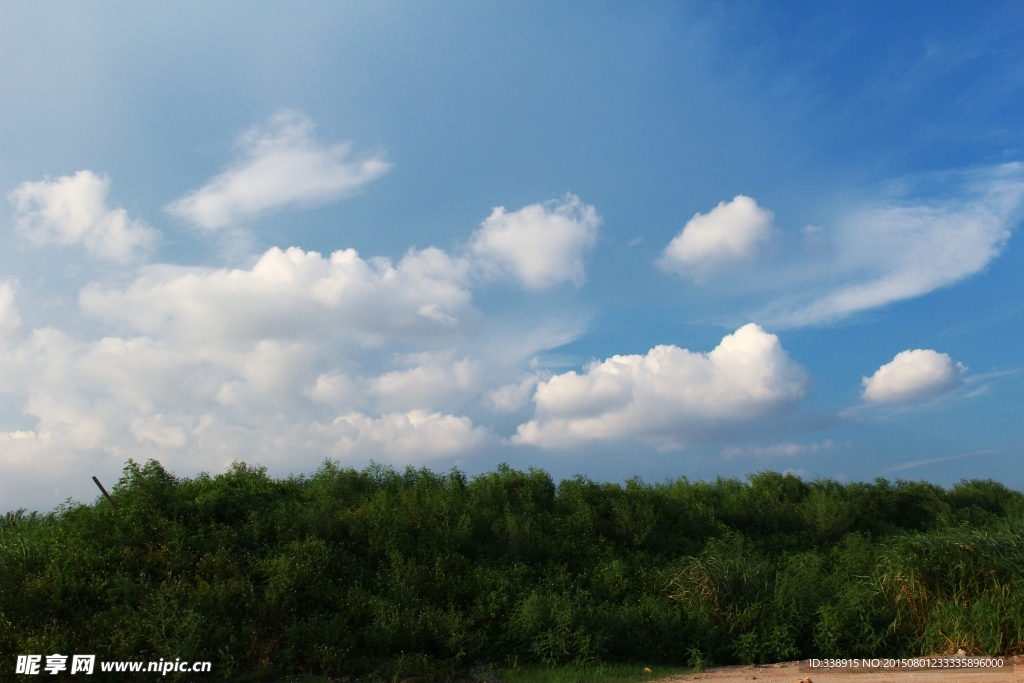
point(616, 239)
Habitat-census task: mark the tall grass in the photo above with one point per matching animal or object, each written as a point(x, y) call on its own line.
point(415, 573)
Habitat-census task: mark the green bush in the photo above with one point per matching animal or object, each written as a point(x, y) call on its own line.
point(387, 573)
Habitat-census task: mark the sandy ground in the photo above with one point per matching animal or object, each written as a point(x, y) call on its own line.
point(791, 672)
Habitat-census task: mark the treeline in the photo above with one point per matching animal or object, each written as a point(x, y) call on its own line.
point(416, 573)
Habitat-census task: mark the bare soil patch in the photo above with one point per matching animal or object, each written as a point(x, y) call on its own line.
point(790, 672)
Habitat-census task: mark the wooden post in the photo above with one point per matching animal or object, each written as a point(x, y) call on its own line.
point(105, 493)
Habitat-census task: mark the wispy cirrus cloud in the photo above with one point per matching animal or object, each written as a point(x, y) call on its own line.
point(959, 456)
point(898, 249)
point(779, 450)
point(280, 163)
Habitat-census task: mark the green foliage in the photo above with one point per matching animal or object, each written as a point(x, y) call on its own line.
point(387, 574)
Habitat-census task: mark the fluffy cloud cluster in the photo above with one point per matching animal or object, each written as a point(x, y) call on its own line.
point(73, 210)
point(541, 245)
point(280, 163)
point(416, 435)
point(913, 375)
point(202, 366)
point(299, 357)
point(295, 359)
point(428, 379)
point(292, 295)
point(728, 233)
point(667, 397)
point(303, 356)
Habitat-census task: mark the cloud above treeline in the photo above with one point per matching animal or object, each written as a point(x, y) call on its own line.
point(302, 355)
point(669, 396)
point(299, 356)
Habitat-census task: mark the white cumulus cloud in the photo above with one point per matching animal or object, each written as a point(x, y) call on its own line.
point(9, 318)
point(280, 163)
point(669, 396)
point(299, 357)
point(416, 434)
point(541, 245)
point(293, 294)
point(73, 210)
point(200, 366)
point(912, 375)
point(511, 397)
point(431, 379)
point(728, 233)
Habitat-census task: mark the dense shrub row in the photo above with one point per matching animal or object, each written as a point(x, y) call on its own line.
point(349, 572)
